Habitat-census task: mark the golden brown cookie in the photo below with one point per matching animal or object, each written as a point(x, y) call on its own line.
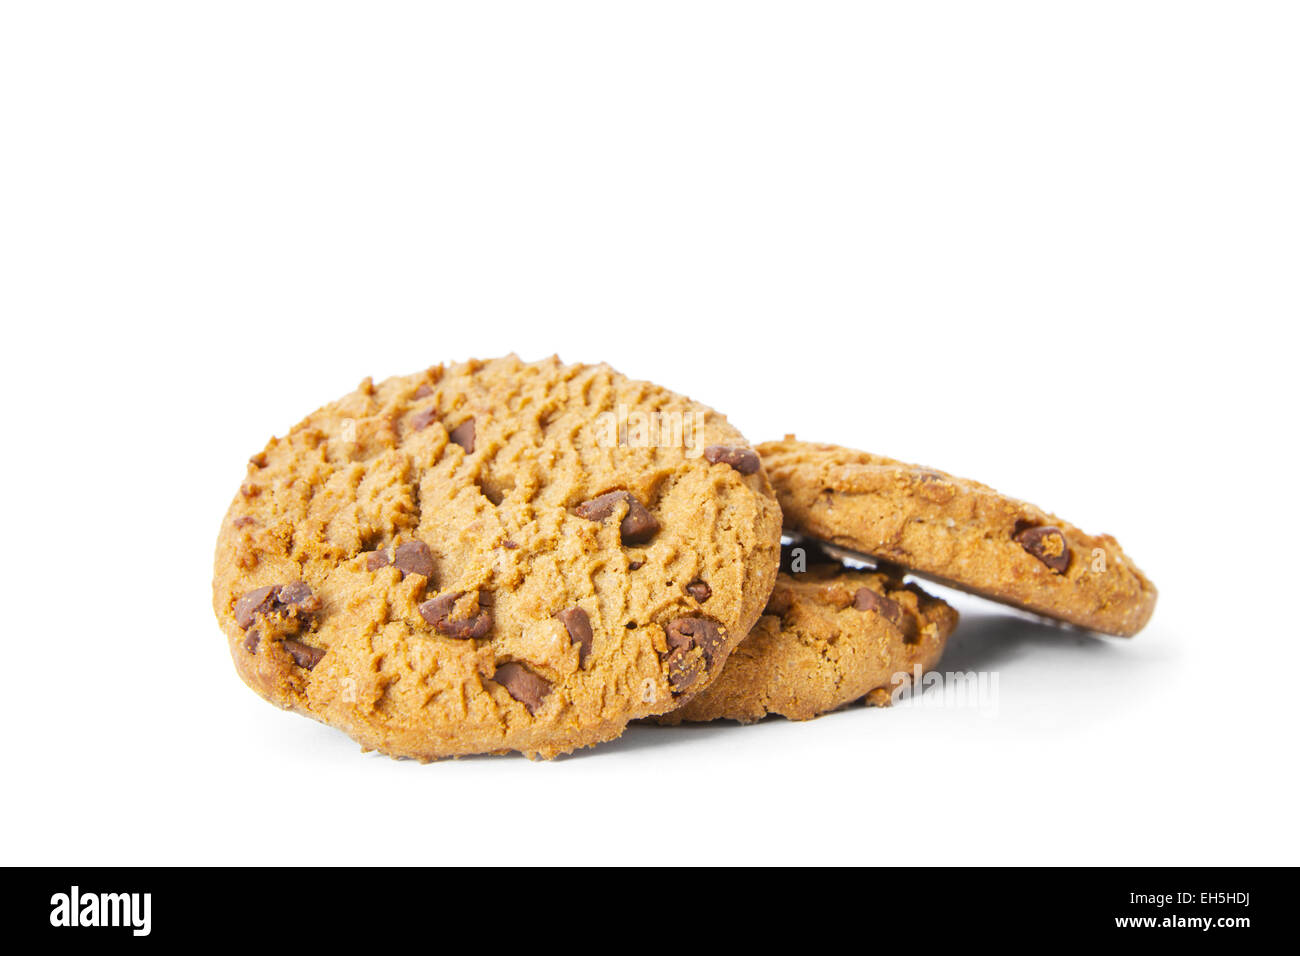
point(829, 636)
point(495, 556)
point(959, 533)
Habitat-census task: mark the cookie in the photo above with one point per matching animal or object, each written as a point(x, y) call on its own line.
point(829, 636)
point(959, 533)
point(495, 556)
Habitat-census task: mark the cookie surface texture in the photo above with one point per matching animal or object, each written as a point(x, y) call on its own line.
point(829, 636)
point(960, 533)
point(495, 556)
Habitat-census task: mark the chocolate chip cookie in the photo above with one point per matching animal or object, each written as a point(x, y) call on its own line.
point(495, 556)
point(829, 636)
point(960, 533)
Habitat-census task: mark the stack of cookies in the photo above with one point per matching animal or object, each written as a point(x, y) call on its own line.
point(506, 556)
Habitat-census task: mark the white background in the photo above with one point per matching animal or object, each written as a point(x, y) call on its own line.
point(1050, 247)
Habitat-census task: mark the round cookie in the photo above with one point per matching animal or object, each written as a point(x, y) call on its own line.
point(960, 533)
point(495, 556)
point(829, 636)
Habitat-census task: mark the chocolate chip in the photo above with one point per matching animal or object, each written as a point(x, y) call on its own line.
point(699, 590)
point(437, 608)
point(256, 601)
point(638, 525)
point(463, 435)
point(523, 685)
point(635, 565)
point(684, 669)
point(689, 632)
point(414, 557)
point(424, 418)
point(297, 599)
point(424, 391)
point(744, 460)
point(294, 593)
point(509, 545)
point(376, 560)
point(294, 599)
point(437, 612)
point(304, 655)
point(464, 629)
point(868, 600)
point(252, 640)
point(578, 625)
point(600, 507)
point(1047, 544)
point(686, 636)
